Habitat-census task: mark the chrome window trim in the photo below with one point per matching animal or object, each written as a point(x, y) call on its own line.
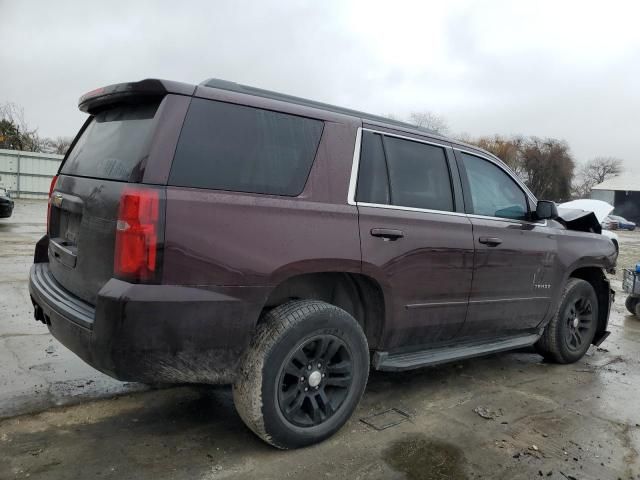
point(404, 137)
point(410, 209)
point(353, 181)
point(510, 220)
point(444, 212)
point(355, 164)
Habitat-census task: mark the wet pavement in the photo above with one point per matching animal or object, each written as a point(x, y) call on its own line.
point(508, 416)
point(36, 371)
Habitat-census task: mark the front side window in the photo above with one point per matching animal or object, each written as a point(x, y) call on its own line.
point(493, 192)
point(224, 146)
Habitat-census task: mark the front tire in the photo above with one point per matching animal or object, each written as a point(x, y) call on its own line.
point(303, 374)
point(570, 332)
point(631, 303)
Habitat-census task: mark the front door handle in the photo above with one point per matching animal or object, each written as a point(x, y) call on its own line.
point(490, 241)
point(387, 233)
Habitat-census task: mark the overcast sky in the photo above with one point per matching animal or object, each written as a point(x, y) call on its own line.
point(565, 69)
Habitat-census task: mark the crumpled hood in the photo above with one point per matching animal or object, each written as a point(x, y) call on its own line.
point(598, 207)
point(584, 215)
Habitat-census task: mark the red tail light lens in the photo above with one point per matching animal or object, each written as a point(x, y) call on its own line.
point(52, 186)
point(137, 235)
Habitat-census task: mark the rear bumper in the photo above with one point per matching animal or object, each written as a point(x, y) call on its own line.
point(151, 333)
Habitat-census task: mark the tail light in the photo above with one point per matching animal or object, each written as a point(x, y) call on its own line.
point(52, 186)
point(137, 230)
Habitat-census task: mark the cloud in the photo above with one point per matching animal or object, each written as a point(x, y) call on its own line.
point(562, 69)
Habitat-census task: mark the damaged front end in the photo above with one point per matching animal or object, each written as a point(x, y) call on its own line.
point(587, 215)
point(579, 220)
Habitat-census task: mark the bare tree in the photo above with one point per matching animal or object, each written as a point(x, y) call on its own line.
point(506, 149)
point(548, 167)
point(594, 172)
point(16, 134)
point(545, 165)
point(58, 145)
point(429, 120)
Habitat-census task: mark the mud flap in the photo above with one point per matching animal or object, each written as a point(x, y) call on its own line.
point(601, 337)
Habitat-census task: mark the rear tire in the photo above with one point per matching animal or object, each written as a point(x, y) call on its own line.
point(570, 332)
point(631, 303)
point(303, 374)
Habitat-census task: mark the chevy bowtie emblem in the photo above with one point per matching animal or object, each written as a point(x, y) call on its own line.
point(57, 200)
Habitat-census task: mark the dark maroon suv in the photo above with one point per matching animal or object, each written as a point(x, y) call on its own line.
point(224, 234)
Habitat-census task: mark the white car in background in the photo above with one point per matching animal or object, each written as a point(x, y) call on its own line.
point(599, 208)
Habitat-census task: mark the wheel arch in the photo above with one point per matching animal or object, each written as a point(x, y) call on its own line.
point(359, 295)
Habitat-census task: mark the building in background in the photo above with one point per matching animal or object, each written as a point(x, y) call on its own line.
point(623, 192)
point(27, 174)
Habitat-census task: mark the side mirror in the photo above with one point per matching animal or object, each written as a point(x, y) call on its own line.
point(546, 210)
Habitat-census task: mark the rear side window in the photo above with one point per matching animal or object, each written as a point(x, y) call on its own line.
point(113, 144)
point(373, 182)
point(232, 147)
point(405, 173)
point(418, 175)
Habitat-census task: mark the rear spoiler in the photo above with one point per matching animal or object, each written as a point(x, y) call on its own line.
point(131, 92)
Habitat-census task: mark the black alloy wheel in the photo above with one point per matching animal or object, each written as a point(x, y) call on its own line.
point(579, 319)
point(303, 374)
point(315, 380)
point(571, 330)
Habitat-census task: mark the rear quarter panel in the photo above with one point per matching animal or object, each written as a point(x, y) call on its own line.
point(215, 237)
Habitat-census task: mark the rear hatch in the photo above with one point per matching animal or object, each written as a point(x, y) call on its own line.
point(108, 156)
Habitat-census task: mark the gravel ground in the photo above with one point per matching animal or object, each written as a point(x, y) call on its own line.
point(508, 416)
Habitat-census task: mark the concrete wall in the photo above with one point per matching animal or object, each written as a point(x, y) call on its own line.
point(27, 174)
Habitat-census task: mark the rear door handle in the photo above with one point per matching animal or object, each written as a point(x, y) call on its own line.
point(387, 233)
point(490, 241)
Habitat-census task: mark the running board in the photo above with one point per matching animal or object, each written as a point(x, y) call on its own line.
point(434, 356)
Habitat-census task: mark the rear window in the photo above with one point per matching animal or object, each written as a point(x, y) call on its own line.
point(232, 147)
point(113, 144)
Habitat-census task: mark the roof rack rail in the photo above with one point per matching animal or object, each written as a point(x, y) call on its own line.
point(259, 92)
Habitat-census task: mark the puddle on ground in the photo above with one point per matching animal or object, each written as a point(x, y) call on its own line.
point(421, 458)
